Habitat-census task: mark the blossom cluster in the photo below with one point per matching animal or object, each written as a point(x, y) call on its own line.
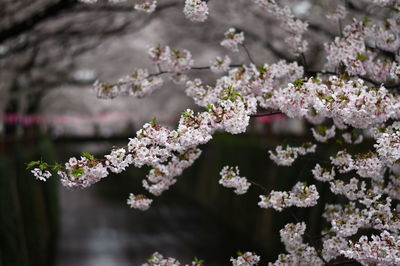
point(220, 65)
point(323, 174)
point(257, 83)
point(300, 253)
point(346, 102)
point(294, 26)
point(388, 144)
point(352, 138)
point(157, 259)
point(139, 84)
point(346, 221)
point(339, 13)
point(246, 259)
point(196, 10)
point(41, 175)
point(148, 6)
point(380, 250)
point(367, 165)
point(230, 178)
point(301, 195)
point(83, 172)
point(167, 152)
point(286, 156)
point(233, 39)
point(140, 202)
point(173, 61)
point(356, 49)
point(323, 133)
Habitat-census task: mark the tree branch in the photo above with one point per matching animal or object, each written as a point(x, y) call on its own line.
point(27, 24)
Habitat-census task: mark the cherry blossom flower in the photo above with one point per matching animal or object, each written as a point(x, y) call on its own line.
point(380, 250)
point(148, 6)
point(246, 259)
point(140, 202)
point(219, 65)
point(301, 195)
point(41, 175)
point(230, 178)
point(233, 39)
point(196, 10)
point(323, 174)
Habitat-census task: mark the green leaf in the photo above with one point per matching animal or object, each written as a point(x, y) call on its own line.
point(150, 258)
point(43, 166)
point(325, 229)
point(32, 164)
point(153, 121)
point(198, 261)
point(328, 98)
point(77, 172)
point(186, 114)
point(321, 130)
point(209, 107)
point(57, 167)
point(268, 95)
point(366, 20)
point(297, 83)
point(306, 145)
point(361, 57)
point(315, 80)
point(87, 155)
point(261, 68)
point(239, 253)
point(304, 187)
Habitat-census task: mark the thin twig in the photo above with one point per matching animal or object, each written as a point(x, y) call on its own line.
point(346, 262)
point(340, 27)
point(258, 185)
point(304, 61)
point(248, 54)
point(266, 114)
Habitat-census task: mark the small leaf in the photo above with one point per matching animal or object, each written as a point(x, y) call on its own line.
point(304, 187)
point(261, 68)
point(43, 166)
point(209, 107)
point(57, 167)
point(315, 80)
point(77, 172)
point(186, 114)
point(153, 121)
point(268, 95)
point(32, 164)
point(361, 57)
point(87, 155)
point(366, 20)
point(297, 83)
point(198, 261)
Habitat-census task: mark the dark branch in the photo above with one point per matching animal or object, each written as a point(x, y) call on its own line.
point(266, 114)
point(27, 24)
